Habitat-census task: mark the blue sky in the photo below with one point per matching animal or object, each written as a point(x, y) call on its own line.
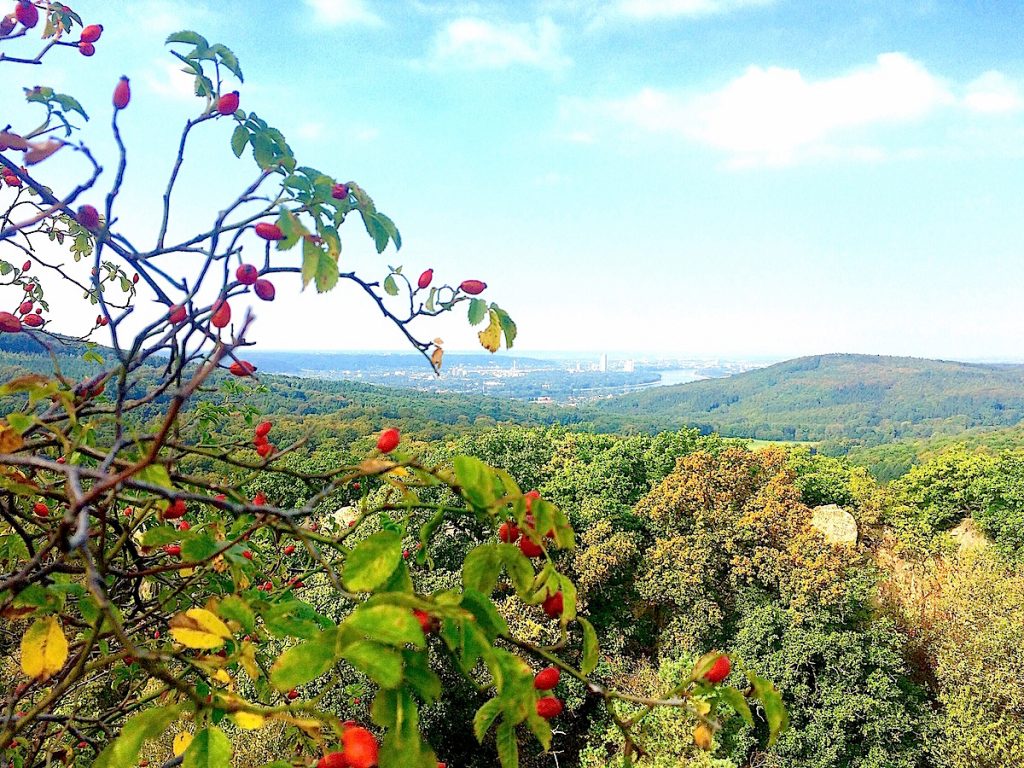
point(722, 177)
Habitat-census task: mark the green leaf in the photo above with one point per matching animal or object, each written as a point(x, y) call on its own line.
point(187, 36)
point(305, 661)
point(590, 647)
point(69, 104)
point(421, 677)
point(477, 311)
point(487, 616)
point(484, 718)
point(771, 701)
point(294, 619)
point(263, 151)
point(372, 561)
point(476, 480)
point(481, 568)
point(198, 546)
point(737, 701)
point(389, 624)
point(390, 286)
point(508, 746)
point(518, 566)
point(310, 261)
point(381, 664)
point(541, 729)
point(162, 534)
point(228, 59)
point(151, 724)
point(239, 138)
point(210, 748)
point(155, 474)
point(234, 607)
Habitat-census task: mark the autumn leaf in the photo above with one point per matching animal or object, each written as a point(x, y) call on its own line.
point(44, 649)
point(490, 337)
point(247, 658)
point(198, 628)
point(40, 150)
point(10, 440)
point(248, 721)
point(435, 358)
point(181, 742)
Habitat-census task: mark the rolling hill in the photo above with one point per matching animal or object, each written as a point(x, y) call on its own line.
point(863, 399)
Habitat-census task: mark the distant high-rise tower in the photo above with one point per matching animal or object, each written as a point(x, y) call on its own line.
point(603, 365)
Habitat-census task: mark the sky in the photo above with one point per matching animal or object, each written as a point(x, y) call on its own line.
point(729, 178)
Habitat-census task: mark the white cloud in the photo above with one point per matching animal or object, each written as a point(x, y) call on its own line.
point(992, 92)
point(335, 13)
point(775, 116)
point(658, 9)
point(474, 43)
point(163, 16)
point(311, 131)
point(167, 79)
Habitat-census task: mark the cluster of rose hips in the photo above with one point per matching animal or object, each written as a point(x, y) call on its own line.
point(9, 177)
point(31, 315)
point(88, 38)
point(263, 447)
point(472, 287)
point(509, 533)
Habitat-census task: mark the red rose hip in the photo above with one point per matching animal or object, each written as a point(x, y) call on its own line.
point(269, 231)
point(91, 33)
point(264, 289)
point(221, 314)
point(122, 93)
point(549, 707)
point(554, 605)
point(9, 323)
point(547, 679)
point(247, 274)
point(473, 287)
point(27, 14)
point(388, 440)
point(88, 217)
point(719, 670)
point(228, 103)
point(426, 277)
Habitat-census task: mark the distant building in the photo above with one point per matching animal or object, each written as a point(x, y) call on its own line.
point(603, 365)
point(629, 366)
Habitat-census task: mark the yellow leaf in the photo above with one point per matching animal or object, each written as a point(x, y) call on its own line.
point(222, 677)
point(247, 658)
point(198, 628)
point(10, 440)
point(490, 337)
point(181, 742)
point(248, 720)
point(436, 357)
point(186, 571)
point(44, 649)
point(374, 466)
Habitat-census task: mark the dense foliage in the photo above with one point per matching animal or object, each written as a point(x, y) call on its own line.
point(841, 399)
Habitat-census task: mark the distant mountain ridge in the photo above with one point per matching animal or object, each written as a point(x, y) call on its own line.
point(840, 400)
point(859, 398)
